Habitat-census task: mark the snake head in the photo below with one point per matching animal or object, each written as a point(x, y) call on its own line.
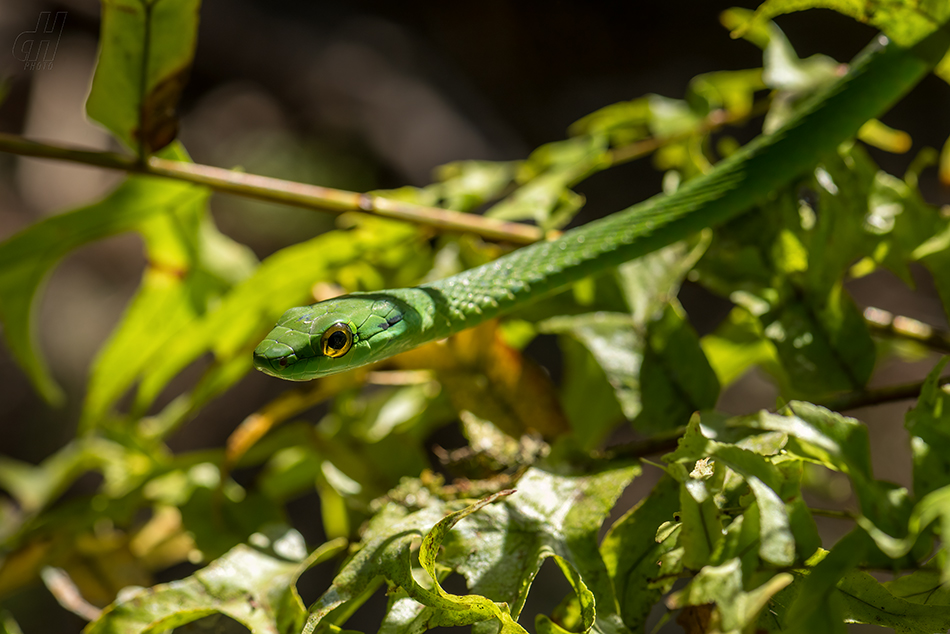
point(335, 335)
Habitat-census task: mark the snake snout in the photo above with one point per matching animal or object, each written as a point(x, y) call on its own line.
point(272, 357)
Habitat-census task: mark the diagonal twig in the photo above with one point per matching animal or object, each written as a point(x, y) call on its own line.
point(281, 191)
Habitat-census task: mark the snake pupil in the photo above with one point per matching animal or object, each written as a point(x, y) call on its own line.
point(337, 340)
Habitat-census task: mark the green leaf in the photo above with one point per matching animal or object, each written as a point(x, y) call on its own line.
point(239, 513)
point(739, 21)
point(904, 22)
point(27, 258)
point(934, 506)
point(817, 607)
point(737, 345)
point(928, 424)
point(404, 615)
point(840, 443)
point(386, 552)
point(901, 219)
point(659, 377)
point(723, 585)
point(820, 435)
point(701, 534)
point(868, 601)
point(253, 586)
point(944, 160)
point(370, 441)
point(912, 231)
point(590, 403)
point(632, 548)
point(617, 347)
point(546, 177)
point(627, 122)
point(916, 603)
point(787, 266)
point(585, 603)
point(466, 185)
point(802, 524)
point(283, 280)
point(731, 90)
point(776, 542)
point(840, 221)
point(36, 486)
point(884, 137)
point(145, 55)
point(622, 122)
point(651, 282)
point(942, 70)
point(922, 586)
point(501, 549)
point(935, 255)
point(738, 262)
point(651, 358)
point(675, 378)
point(824, 346)
point(190, 265)
point(793, 78)
point(473, 606)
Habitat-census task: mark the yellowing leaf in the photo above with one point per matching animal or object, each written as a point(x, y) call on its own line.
point(145, 54)
point(884, 137)
point(485, 376)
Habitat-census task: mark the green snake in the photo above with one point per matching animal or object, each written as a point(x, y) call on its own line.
point(349, 331)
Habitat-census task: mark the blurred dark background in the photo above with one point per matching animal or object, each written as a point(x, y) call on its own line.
point(374, 95)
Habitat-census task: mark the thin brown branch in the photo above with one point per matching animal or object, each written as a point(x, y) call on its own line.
point(332, 200)
point(660, 443)
point(878, 396)
point(884, 324)
point(281, 191)
point(833, 513)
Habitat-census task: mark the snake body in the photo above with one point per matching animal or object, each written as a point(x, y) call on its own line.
point(349, 331)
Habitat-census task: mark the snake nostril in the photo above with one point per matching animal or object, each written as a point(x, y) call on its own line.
point(282, 362)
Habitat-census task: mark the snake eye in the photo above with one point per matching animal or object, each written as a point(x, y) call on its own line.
point(336, 340)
